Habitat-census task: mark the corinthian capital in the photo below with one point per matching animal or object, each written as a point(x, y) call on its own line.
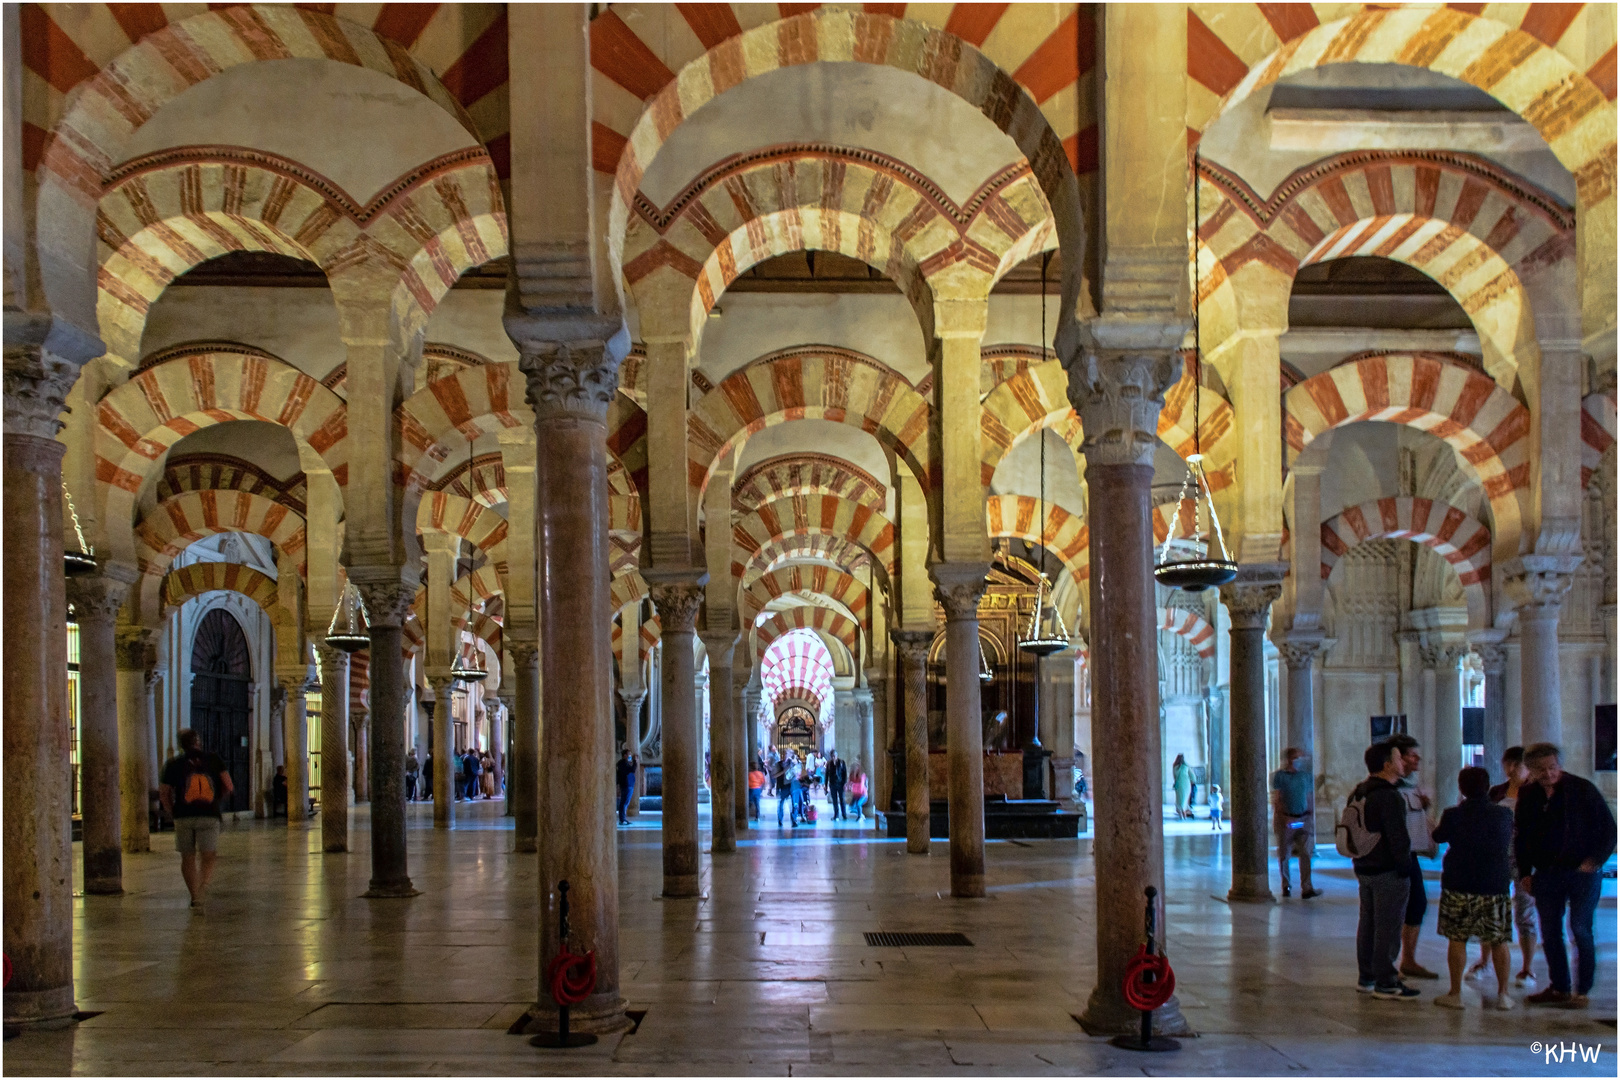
point(570, 379)
point(912, 645)
point(958, 586)
point(42, 361)
point(98, 597)
point(1492, 657)
point(1537, 583)
point(1117, 379)
point(1249, 598)
point(677, 594)
point(387, 602)
point(1298, 654)
point(133, 647)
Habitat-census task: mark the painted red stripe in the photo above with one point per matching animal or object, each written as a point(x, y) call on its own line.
point(1082, 150)
point(1470, 9)
point(1055, 63)
point(619, 54)
point(973, 22)
point(607, 146)
point(712, 23)
point(34, 139)
point(482, 68)
point(1602, 74)
point(404, 23)
point(138, 20)
point(1289, 21)
point(896, 11)
point(790, 10)
point(1209, 60)
point(1547, 22)
point(49, 52)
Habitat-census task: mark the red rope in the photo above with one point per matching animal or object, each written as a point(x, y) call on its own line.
point(572, 978)
point(1149, 982)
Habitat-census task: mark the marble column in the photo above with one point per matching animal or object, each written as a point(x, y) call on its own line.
point(959, 587)
point(360, 739)
point(134, 736)
point(38, 846)
point(877, 761)
point(1117, 384)
point(96, 601)
point(1441, 657)
point(295, 738)
point(912, 647)
point(523, 771)
point(746, 727)
point(739, 745)
point(1248, 601)
point(633, 700)
point(387, 605)
point(1300, 655)
point(334, 748)
point(1493, 659)
point(677, 594)
point(722, 768)
point(446, 765)
point(570, 385)
point(1542, 594)
point(865, 742)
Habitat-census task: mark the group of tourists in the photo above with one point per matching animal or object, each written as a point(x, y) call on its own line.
point(1519, 854)
point(1185, 783)
point(475, 774)
point(795, 780)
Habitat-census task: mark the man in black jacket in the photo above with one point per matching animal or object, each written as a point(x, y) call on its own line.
point(837, 777)
point(1382, 876)
point(1565, 835)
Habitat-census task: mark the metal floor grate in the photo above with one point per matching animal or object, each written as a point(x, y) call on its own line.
point(917, 941)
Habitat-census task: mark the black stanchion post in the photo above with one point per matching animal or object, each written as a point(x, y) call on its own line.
point(563, 1038)
point(1148, 980)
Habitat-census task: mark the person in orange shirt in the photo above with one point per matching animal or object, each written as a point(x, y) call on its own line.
point(756, 788)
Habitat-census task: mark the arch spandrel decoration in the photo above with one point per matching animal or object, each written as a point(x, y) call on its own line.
point(808, 516)
point(191, 581)
point(1461, 540)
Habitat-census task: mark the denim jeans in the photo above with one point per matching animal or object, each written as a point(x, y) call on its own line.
point(753, 803)
point(622, 803)
point(782, 798)
point(1378, 933)
point(1553, 890)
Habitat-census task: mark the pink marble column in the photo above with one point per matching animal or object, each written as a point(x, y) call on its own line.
point(1117, 385)
point(1248, 600)
point(96, 601)
point(387, 605)
point(678, 594)
point(134, 737)
point(334, 748)
point(38, 846)
point(523, 774)
point(1541, 593)
point(959, 587)
point(912, 646)
point(570, 385)
point(722, 742)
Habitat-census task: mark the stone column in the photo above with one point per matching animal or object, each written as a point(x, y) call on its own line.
point(96, 602)
point(1541, 593)
point(38, 852)
point(866, 742)
point(877, 751)
point(912, 646)
point(959, 587)
point(1493, 659)
point(739, 744)
point(1442, 657)
point(523, 771)
point(633, 700)
point(134, 781)
point(360, 736)
point(387, 605)
point(570, 385)
point(677, 594)
point(295, 738)
point(334, 748)
point(722, 768)
point(1117, 384)
point(446, 766)
point(1248, 600)
point(1299, 654)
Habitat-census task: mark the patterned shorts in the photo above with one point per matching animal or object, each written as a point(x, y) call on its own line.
point(1469, 915)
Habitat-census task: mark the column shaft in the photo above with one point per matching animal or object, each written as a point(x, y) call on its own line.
point(446, 765)
point(1249, 799)
point(959, 586)
point(133, 781)
point(388, 603)
point(1447, 720)
point(334, 749)
point(523, 774)
point(677, 600)
point(1542, 709)
point(722, 769)
point(1493, 658)
point(295, 737)
point(96, 602)
point(913, 646)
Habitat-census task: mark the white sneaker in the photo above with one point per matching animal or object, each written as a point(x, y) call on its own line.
point(1505, 1003)
point(1449, 1001)
point(1477, 974)
point(1524, 978)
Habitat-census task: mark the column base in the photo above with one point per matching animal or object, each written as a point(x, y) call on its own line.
point(722, 848)
point(335, 849)
point(968, 887)
point(916, 847)
point(1250, 889)
point(601, 1014)
point(40, 1010)
point(525, 846)
point(680, 886)
point(113, 887)
point(390, 890)
point(1109, 1015)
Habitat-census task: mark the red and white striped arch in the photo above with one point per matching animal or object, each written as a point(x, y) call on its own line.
point(480, 526)
point(1461, 540)
point(1062, 533)
point(1190, 625)
point(1597, 432)
point(198, 578)
point(807, 474)
point(811, 515)
point(797, 664)
point(444, 414)
point(835, 585)
point(827, 623)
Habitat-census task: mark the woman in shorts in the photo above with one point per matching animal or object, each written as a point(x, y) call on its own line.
point(1475, 900)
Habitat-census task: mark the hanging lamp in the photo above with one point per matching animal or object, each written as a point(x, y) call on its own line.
point(1045, 633)
point(82, 561)
point(986, 672)
point(469, 669)
point(1193, 563)
point(350, 629)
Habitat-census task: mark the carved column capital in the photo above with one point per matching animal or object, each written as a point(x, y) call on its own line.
point(719, 644)
point(1492, 657)
point(134, 647)
point(97, 598)
point(43, 357)
point(1248, 602)
point(1117, 378)
point(523, 653)
point(958, 587)
point(912, 645)
point(1537, 584)
point(1298, 654)
point(388, 603)
point(677, 594)
point(570, 379)
point(331, 656)
point(278, 697)
point(1439, 655)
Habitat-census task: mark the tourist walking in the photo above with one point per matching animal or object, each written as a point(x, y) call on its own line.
point(486, 765)
point(1474, 882)
point(412, 769)
point(796, 781)
point(779, 785)
point(426, 786)
point(756, 788)
point(1181, 777)
point(1565, 835)
point(1420, 830)
point(837, 777)
point(1524, 905)
point(1217, 807)
point(192, 785)
point(1381, 872)
point(1293, 819)
point(624, 776)
point(857, 792)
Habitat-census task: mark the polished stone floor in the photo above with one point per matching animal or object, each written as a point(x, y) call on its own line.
point(291, 972)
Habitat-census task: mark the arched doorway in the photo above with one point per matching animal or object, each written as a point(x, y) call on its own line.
point(221, 674)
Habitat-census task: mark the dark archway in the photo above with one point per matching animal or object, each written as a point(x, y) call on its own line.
point(221, 707)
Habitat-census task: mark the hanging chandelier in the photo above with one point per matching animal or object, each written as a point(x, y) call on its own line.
point(82, 561)
point(350, 629)
point(1199, 560)
point(986, 672)
point(469, 666)
point(1045, 633)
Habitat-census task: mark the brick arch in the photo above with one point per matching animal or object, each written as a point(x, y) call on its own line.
point(1461, 540)
point(848, 555)
point(627, 442)
point(480, 526)
point(477, 586)
point(859, 37)
point(139, 421)
point(105, 110)
point(625, 589)
point(1061, 533)
point(440, 417)
point(1486, 426)
point(826, 622)
point(808, 474)
point(1190, 625)
point(808, 383)
point(176, 523)
point(194, 580)
point(647, 636)
point(1475, 228)
point(841, 588)
point(1597, 432)
point(805, 515)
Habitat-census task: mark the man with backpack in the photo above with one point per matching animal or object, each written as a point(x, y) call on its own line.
point(192, 786)
point(837, 777)
point(1372, 831)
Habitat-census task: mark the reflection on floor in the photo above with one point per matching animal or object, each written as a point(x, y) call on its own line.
point(291, 972)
